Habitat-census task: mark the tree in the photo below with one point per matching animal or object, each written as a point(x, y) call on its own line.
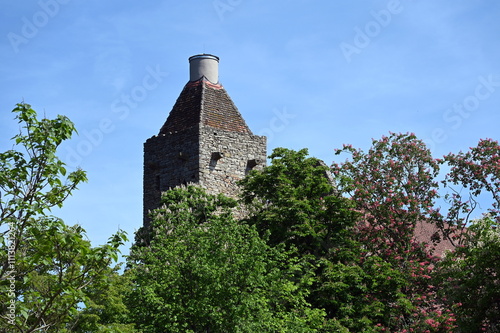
point(46, 265)
point(395, 189)
point(200, 270)
point(105, 311)
point(294, 199)
point(469, 277)
point(477, 173)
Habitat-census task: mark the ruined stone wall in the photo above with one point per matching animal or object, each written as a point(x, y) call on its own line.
point(212, 158)
point(226, 157)
point(169, 160)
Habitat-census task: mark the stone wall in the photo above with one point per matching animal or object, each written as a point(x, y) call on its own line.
point(213, 158)
point(169, 160)
point(226, 157)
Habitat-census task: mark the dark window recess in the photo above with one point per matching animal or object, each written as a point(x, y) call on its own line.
point(214, 158)
point(153, 165)
point(252, 164)
point(217, 155)
point(157, 183)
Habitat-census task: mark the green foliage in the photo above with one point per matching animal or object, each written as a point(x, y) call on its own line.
point(105, 310)
point(46, 266)
point(53, 270)
point(202, 270)
point(294, 200)
point(364, 294)
point(470, 277)
point(32, 178)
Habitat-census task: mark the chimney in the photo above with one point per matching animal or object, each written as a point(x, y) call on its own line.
point(204, 65)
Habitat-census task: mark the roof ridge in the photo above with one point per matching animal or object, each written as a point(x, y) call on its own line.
point(203, 80)
point(202, 101)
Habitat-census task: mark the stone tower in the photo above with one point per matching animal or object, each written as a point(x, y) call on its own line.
point(204, 140)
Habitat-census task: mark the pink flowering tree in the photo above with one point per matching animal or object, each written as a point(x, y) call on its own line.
point(394, 188)
point(474, 174)
point(469, 276)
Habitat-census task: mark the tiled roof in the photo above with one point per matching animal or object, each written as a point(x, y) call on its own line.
point(206, 103)
point(425, 231)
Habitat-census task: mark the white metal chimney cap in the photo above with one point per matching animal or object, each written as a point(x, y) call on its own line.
point(204, 65)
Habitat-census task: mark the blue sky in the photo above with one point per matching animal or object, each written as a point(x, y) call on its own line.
point(314, 74)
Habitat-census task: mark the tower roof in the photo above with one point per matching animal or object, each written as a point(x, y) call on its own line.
point(202, 102)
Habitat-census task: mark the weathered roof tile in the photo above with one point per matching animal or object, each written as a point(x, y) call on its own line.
point(205, 103)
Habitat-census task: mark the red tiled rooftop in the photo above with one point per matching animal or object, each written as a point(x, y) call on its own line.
point(205, 103)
